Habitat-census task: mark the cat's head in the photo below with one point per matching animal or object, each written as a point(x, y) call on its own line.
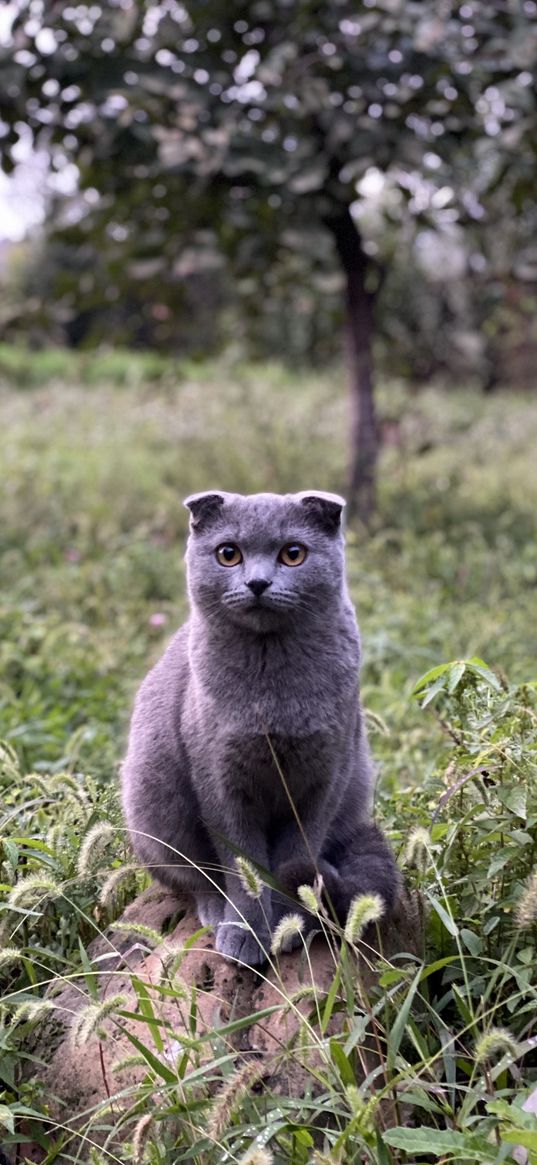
point(265, 560)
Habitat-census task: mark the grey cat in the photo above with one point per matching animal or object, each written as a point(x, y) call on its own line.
point(249, 730)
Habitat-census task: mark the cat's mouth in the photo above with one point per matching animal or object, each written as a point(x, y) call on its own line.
point(258, 611)
point(264, 602)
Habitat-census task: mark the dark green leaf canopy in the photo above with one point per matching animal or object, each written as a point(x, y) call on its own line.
point(244, 116)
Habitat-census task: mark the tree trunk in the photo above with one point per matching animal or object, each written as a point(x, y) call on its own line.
point(364, 441)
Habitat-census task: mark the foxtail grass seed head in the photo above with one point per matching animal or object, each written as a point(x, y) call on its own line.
point(364, 909)
point(309, 898)
point(93, 847)
point(304, 1044)
point(112, 884)
point(66, 783)
point(151, 936)
point(171, 957)
point(89, 1020)
point(257, 1156)
point(128, 1062)
point(287, 929)
point(496, 1042)
point(97, 1158)
point(55, 838)
point(9, 955)
point(526, 908)
point(306, 991)
point(32, 1009)
point(418, 848)
point(354, 1098)
point(169, 960)
point(363, 1110)
point(34, 890)
point(230, 1097)
point(40, 783)
point(250, 880)
point(9, 762)
point(141, 1137)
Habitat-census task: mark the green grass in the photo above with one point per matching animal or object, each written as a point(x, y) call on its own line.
point(97, 454)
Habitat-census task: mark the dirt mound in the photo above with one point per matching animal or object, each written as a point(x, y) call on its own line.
point(183, 991)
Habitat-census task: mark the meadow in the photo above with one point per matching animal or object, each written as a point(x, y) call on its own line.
point(97, 454)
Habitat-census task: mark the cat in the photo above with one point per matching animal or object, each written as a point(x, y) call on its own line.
point(248, 736)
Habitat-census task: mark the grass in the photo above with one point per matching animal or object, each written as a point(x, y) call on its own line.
point(97, 454)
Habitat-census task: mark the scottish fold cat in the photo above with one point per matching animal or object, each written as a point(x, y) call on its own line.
point(248, 735)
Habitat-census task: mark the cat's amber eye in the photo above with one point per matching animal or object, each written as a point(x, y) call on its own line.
point(229, 554)
point(293, 554)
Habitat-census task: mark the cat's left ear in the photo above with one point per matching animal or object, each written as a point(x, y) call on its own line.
point(204, 508)
point(324, 509)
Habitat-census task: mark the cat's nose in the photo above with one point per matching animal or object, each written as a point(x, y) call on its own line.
point(258, 585)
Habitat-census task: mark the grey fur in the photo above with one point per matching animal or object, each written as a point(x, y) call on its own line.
point(255, 704)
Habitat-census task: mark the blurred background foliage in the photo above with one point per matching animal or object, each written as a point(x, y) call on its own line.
point(198, 155)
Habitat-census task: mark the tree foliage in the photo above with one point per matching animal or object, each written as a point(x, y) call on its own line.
point(231, 137)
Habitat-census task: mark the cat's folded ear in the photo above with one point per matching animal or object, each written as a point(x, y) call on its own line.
point(204, 508)
point(323, 509)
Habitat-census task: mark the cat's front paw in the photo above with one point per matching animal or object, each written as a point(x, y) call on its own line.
point(210, 908)
point(238, 942)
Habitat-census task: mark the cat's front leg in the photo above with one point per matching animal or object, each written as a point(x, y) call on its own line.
point(301, 841)
point(295, 860)
point(244, 932)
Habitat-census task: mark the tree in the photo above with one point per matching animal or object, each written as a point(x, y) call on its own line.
point(254, 122)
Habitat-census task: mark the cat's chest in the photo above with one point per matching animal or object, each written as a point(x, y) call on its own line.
point(267, 771)
point(292, 689)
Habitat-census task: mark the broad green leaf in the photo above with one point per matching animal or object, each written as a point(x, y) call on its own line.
point(514, 799)
point(471, 941)
point(302, 1136)
point(433, 691)
point(7, 1118)
point(441, 670)
point(442, 913)
point(11, 851)
point(237, 1025)
point(440, 1143)
point(418, 1039)
point(498, 862)
point(397, 1029)
point(525, 1137)
point(32, 843)
point(480, 669)
point(146, 1009)
point(456, 673)
point(437, 966)
point(153, 1061)
point(461, 1004)
point(343, 1065)
point(397, 975)
point(383, 1156)
point(513, 1113)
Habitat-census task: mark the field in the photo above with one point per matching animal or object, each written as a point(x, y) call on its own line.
point(97, 454)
